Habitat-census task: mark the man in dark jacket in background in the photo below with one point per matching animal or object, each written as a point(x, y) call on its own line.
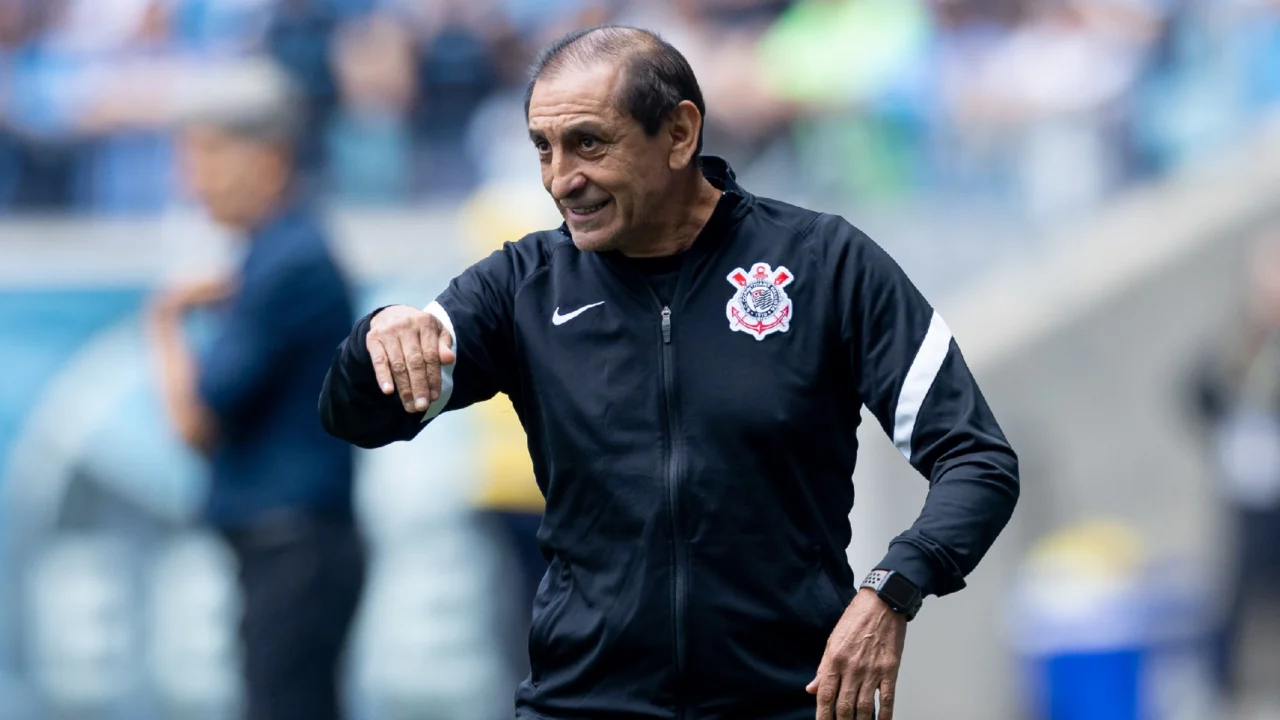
point(1237, 400)
point(689, 363)
point(281, 487)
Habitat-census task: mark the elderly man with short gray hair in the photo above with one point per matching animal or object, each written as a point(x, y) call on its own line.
point(281, 488)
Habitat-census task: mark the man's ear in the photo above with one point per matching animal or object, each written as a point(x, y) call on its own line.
point(685, 127)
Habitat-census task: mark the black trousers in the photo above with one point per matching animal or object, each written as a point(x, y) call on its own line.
point(1255, 579)
point(301, 579)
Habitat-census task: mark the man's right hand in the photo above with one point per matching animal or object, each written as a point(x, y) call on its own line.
point(408, 346)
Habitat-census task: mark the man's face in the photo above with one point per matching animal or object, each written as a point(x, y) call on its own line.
point(232, 177)
point(607, 177)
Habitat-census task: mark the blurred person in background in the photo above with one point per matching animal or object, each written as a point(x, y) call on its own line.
point(128, 157)
point(1256, 39)
point(1050, 90)
point(281, 490)
point(13, 22)
point(370, 138)
point(38, 160)
point(457, 69)
point(720, 38)
point(300, 36)
point(1237, 394)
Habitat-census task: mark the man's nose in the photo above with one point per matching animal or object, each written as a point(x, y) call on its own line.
point(566, 178)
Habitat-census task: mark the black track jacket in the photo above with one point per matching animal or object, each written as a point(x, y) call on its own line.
point(696, 458)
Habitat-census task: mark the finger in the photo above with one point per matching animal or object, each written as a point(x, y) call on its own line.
point(381, 366)
point(399, 372)
point(828, 688)
point(887, 690)
point(823, 667)
point(429, 341)
point(416, 363)
point(847, 701)
point(812, 687)
point(866, 701)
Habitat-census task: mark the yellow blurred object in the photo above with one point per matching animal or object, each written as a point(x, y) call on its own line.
point(506, 472)
point(495, 214)
point(499, 213)
point(1098, 548)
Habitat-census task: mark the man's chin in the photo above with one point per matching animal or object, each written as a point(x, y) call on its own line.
point(593, 240)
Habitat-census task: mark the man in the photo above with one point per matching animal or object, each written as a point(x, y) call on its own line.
point(281, 488)
point(689, 362)
point(1236, 392)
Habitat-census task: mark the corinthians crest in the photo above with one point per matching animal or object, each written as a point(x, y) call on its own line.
point(760, 306)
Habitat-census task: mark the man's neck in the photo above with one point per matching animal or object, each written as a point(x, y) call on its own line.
point(272, 206)
point(697, 201)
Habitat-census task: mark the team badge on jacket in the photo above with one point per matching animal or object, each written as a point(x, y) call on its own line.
point(760, 306)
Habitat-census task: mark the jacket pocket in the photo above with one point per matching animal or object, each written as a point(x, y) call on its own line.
point(838, 600)
point(553, 595)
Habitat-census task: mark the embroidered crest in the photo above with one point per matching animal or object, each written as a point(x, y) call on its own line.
point(760, 306)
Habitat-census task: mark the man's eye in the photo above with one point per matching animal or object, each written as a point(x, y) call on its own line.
point(543, 146)
point(588, 143)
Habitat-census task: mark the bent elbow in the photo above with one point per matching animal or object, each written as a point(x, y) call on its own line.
point(1014, 474)
point(345, 425)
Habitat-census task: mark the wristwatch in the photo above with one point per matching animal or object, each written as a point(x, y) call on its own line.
point(900, 594)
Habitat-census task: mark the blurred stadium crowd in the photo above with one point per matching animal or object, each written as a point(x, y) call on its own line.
point(967, 105)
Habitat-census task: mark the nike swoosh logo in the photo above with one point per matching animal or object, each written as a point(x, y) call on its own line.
point(558, 319)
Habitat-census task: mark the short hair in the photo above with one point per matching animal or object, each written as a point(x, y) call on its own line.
point(254, 98)
point(656, 76)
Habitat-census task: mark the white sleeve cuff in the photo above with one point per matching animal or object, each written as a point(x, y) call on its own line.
point(446, 371)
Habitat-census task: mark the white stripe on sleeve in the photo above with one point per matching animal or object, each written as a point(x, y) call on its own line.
point(924, 369)
point(446, 371)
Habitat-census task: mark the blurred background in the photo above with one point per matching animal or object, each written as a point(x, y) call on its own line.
point(1089, 191)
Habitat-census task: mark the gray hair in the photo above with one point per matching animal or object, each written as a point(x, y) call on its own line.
point(253, 98)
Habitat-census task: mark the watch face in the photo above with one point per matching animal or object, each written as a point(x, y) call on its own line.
point(900, 593)
point(903, 591)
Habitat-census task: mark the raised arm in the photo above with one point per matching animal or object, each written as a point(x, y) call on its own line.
point(387, 377)
point(402, 366)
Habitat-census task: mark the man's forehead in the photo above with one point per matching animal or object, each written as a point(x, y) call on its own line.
point(574, 94)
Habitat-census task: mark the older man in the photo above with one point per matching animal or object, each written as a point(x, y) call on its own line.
point(281, 488)
point(689, 362)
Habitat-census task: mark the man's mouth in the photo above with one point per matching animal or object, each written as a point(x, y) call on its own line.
point(583, 212)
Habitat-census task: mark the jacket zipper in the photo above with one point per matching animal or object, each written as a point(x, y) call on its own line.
point(673, 505)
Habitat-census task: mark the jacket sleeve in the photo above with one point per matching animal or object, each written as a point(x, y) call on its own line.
point(911, 376)
point(476, 308)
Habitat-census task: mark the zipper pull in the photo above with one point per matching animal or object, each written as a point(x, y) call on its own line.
point(666, 325)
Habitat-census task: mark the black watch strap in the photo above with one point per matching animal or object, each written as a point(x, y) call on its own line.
point(900, 594)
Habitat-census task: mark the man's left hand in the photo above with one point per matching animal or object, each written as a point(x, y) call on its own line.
point(863, 655)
